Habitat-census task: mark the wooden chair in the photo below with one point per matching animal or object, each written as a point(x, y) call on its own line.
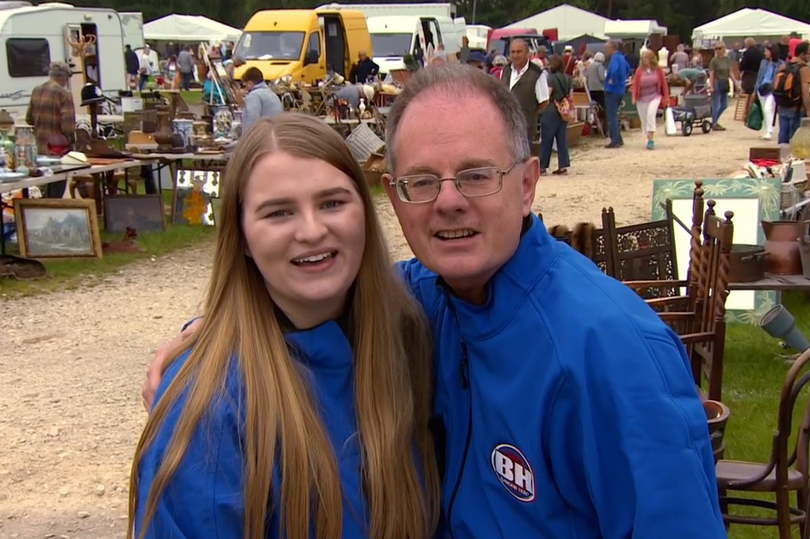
point(642, 252)
point(783, 474)
point(699, 317)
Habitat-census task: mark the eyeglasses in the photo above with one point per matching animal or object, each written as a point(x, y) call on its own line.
point(471, 183)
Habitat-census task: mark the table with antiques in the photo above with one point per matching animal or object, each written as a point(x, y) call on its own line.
point(55, 173)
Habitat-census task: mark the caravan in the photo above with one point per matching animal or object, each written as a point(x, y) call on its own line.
point(90, 40)
point(394, 37)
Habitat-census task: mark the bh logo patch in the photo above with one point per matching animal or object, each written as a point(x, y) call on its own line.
point(513, 471)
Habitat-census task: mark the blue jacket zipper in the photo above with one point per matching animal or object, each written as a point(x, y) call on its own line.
point(464, 375)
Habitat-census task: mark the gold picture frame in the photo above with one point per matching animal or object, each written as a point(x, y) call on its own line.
point(49, 229)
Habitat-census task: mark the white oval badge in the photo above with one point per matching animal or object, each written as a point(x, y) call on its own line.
point(513, 471)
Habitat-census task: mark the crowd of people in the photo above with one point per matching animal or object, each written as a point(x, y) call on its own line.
point(776, 75)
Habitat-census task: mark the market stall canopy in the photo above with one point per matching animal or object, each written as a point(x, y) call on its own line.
point(633, 29)
point(570, 22)
point(749, 22)
point(580, 44)
point(193, 28)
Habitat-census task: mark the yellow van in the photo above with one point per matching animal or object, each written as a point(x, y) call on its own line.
point(303, 43)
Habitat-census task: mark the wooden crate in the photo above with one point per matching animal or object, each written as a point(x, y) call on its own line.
point(741, 110)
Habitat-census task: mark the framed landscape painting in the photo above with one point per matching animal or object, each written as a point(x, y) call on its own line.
point(57, 228)
point(752, 200)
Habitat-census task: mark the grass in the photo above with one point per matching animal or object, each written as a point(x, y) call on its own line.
point(191, 98)
point(71, 274)
point(754, 370)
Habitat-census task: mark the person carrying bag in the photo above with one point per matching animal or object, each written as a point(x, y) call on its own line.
point(554, 120)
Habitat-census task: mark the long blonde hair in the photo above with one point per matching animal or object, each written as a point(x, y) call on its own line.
point(392, 375)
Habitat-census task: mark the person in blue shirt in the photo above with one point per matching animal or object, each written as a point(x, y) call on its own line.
point(300, 406)
point(615, 87)
point(564, 407)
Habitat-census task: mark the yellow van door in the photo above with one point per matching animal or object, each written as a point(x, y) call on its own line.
point(314, 61)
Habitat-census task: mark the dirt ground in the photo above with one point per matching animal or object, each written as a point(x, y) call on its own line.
point(72, 363)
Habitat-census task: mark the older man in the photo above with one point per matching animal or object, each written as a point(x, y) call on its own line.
point(364, 69)
point(564, 407)
point(528, 83)
point(53, 114)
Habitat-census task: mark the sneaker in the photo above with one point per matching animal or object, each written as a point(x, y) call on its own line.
point(612, 145)
point(718, 127)
point(767, 136)
point(650, 145)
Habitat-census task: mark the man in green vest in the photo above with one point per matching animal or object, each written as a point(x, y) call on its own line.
point(528, 83)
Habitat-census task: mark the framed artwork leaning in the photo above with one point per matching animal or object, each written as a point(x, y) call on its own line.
point(193, 191)
point(143, 213)
point(752, 200)
point(57, 228)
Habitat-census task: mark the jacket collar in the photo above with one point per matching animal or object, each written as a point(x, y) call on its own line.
point(328, 345)
point(259, 86)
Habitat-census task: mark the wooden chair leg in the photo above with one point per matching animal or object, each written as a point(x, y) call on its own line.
point(783, 513)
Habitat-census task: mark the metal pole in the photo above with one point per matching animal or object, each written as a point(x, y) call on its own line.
point(475, 4)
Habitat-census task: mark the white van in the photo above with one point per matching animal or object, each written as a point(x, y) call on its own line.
point(394, 37)
point(31, 37)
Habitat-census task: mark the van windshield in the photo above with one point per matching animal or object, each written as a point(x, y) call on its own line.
point(497, 45)
point(270, 45)
point(390, 45)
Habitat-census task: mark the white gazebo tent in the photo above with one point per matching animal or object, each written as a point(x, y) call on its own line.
point(570, 22)
point(191, 28)
point(747, 22)
point(633, 29)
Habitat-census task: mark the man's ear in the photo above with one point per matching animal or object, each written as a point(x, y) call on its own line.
point(531, 174)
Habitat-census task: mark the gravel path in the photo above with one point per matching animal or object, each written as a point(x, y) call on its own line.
point(72, 363)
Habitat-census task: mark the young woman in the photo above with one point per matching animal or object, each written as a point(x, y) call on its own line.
point(552, 126)
point(764, 86)
point(300, 405)
point(721, 79)
point(649, 89)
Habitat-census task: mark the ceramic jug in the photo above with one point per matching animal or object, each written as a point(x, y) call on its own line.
point(782, 247)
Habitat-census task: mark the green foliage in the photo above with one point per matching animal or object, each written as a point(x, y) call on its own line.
point(410, 62)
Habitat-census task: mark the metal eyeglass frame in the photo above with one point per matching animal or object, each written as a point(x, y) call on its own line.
point(397, 182)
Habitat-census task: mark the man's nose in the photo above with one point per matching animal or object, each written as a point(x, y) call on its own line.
point(450, 198)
